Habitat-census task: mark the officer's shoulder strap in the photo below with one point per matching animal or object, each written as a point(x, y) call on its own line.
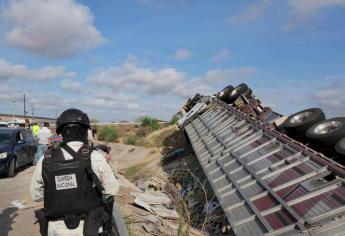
point(86, 152)
point(52, 151)
point(69, 150)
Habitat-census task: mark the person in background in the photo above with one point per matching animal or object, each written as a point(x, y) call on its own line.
point(35, 129)
point(44, 135)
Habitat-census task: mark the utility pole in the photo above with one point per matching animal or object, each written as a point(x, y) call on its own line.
point(32, 110)
point(13, 102)
point(24, 107)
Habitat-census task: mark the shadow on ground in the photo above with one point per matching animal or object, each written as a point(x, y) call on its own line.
point(7, 217)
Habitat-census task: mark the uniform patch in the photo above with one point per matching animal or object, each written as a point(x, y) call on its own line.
point(65, 182)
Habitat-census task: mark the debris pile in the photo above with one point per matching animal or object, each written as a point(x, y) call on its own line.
point(193, 188)
point(170, 195)
point(148, 209)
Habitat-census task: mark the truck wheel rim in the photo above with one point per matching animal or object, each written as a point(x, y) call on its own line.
point(328, 127)
point(301, 117)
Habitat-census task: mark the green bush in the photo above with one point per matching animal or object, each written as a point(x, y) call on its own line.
point(147, 121)
point(132, 140)
point(108, 134)
point(173, 120)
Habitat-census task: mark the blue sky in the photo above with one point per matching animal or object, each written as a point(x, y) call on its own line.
point(118, 60)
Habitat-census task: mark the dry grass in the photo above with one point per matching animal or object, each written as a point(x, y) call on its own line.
point(143, 136)
point(144, 168)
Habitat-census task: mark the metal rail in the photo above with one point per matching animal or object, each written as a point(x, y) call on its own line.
point(119, 225)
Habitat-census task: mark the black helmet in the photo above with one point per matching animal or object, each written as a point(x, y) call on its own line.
point(74, 117)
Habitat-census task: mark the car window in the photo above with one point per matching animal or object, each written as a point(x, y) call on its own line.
point(5, 139)
point(19, 136)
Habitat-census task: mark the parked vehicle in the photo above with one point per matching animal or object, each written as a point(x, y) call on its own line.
point(17, 148)
point(3, 124)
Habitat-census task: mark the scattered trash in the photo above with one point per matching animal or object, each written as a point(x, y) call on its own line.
point(146, 228)
point(178, 186)
point(210, 207)
point(141, 185)
point(166, 213)
point(143, 204)
point(150, 218)
point(18, 204)
point(153, 199)
point(139, 210)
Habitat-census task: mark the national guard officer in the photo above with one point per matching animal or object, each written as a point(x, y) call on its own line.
point(74, 181)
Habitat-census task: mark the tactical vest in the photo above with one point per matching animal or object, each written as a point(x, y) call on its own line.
point(69, 190)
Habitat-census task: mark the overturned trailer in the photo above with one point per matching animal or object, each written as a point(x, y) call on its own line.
point(266, 182)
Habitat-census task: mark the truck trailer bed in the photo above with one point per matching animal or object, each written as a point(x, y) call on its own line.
point(266, 183)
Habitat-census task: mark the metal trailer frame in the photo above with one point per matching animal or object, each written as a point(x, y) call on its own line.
point(266, 182)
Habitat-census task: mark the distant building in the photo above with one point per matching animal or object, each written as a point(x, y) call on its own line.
point(38, 119)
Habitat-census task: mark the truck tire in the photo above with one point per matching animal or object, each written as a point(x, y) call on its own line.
point(224, 94)
point(300, 122)
point(195, 99)
point(340, 147)
point(327, 132)
point(238, 91)
point(249, 93)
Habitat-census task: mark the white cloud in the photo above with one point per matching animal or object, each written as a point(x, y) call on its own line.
point(118, 92)
point(129, 91)
point(221, 56)
point(331, 98)
point(182, 54)
point(166, 81)
point(8, 93)
point(55, 28)
point(305, 10)
point(129, 77)
point(250, 13)
point(8, 70)
point(232, 75)
point(71, 85)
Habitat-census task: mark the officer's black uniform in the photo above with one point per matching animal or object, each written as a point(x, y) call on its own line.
point(69, 191)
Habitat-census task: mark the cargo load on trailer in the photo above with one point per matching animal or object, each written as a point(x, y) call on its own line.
point(272, 174)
